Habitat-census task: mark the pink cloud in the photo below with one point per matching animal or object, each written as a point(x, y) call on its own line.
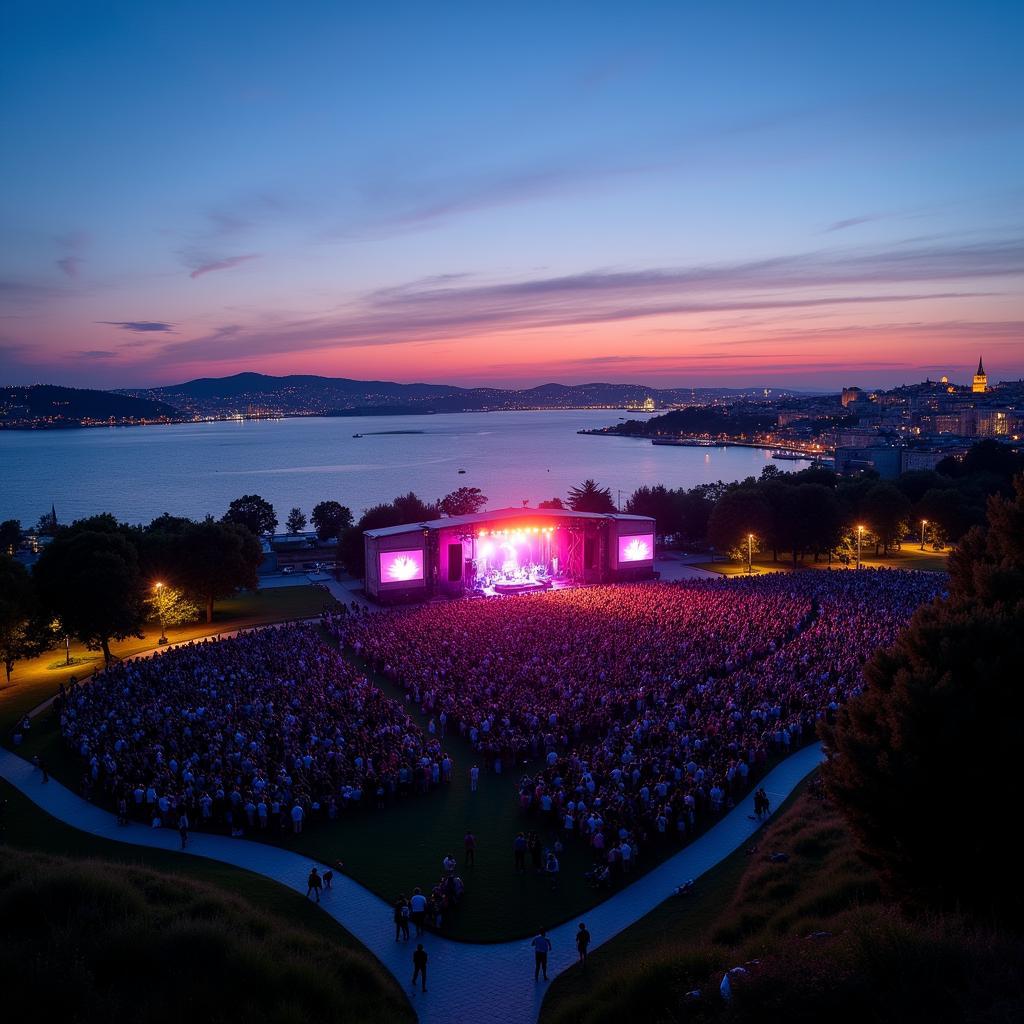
point(224, 264)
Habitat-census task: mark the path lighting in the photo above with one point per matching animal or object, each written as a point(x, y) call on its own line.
point(750, 553)
point(159, 588)
point(860, 535)
point(924, 523)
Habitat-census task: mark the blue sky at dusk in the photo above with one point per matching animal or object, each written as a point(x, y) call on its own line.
point(678, 194)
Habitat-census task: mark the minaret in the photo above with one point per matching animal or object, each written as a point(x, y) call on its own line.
point(980, 385)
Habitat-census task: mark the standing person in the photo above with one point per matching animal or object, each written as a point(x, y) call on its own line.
point(582, 942)
point(541, 947)
point(474, 778)
point(328, 879)
point(313, 884)
point(519, 849)
point(469, 842)
point(418, 910)
point(43, 768)
point(419, 966)
point(183, 829)
point(401, 916)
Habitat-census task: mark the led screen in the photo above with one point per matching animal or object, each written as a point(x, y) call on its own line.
point(637, 549)
point(401, 566)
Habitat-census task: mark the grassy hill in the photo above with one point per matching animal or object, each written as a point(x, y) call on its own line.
point(827, 945)
point(96, 940)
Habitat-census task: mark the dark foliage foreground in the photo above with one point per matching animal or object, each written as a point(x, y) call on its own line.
point(85, 941)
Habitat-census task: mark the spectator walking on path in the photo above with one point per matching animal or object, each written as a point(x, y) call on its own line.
point(474, 778)
point(469, 842)
point(419, 966)
point(519, 849)
point(401, 919)
point(183, 829)
point(43, 768)
point(313, 884)
point(582, 943)
point(541, 947)
point(418, 910)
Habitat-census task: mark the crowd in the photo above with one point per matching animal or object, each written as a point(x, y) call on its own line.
point(650, 708)
point(270, 730)
point(547, 670)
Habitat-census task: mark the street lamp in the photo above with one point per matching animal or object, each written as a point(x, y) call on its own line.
point(750, 553)
point(860, 534)
point(924, 523)
point(159, 588)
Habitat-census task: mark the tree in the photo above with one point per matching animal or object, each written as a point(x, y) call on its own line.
point(172, 607)
point(217, 560)
point(947, 512)
point(21, 634)
point(296, 521)
point(10, 536)
point(252, 512)
point(464, 501)
point(409, 508)
point(658, 502)
point(886, 510)
point(330, 518)
point(739, 512)
point(551, 503)
point(922, 765)
point(91, 582)
point(590, 497)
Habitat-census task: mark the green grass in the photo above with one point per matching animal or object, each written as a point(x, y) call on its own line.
point(909, 558)
point(36, 680)
point(176, 890)
point(874, 964)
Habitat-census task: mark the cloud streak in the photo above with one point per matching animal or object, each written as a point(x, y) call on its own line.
point(433, 309)
point(140, 326)
point(228, 263)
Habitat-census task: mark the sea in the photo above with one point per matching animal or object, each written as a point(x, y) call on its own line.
point(195, 469)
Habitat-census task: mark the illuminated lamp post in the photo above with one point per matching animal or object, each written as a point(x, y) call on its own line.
point(750, 553)
point(924, 523)
point(159, 588)
point(860, 534)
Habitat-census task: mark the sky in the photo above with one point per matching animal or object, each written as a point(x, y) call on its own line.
point(679, 194)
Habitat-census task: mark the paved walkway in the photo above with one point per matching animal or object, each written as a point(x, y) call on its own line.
point(469, 983)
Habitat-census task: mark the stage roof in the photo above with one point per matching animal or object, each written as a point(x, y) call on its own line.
point(501, 513)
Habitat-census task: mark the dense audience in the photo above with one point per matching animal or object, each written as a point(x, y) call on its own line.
point(269, 730)
point(631, 713)
point(650, 707)
point(538, 672)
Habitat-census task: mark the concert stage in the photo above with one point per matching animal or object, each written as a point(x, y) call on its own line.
point(506, 552)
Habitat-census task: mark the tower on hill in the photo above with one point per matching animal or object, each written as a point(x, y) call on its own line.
point(980, 385)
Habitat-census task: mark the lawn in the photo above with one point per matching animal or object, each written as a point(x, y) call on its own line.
point(25, 827)
point(37, 680)
point(908, 558)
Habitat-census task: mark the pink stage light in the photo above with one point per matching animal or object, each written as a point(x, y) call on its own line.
point(636, 549)
point(401, 566)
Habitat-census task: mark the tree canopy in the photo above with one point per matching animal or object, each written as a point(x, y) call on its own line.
point(216, 559)
point(296, 521)
point(252, 512)
point(330, 518)
point(922, 763)
point(90, 580)
point(589, 496)
point(463, 501)
point(21, 632)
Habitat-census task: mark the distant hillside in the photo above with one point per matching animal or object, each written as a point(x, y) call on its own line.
point(307, 394)
point(46, 405)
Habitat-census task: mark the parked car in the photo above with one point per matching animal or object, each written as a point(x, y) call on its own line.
point(288, 569)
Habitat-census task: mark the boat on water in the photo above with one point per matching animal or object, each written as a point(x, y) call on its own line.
point(462, 471)
point(357, 435)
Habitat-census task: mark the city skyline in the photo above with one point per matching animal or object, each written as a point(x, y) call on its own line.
point(512, 197)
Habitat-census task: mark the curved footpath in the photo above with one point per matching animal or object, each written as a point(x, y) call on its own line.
point(468, 983)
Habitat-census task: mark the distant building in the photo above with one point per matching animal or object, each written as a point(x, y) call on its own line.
point(980, 383)
point(649, 405)
point(851, 395)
